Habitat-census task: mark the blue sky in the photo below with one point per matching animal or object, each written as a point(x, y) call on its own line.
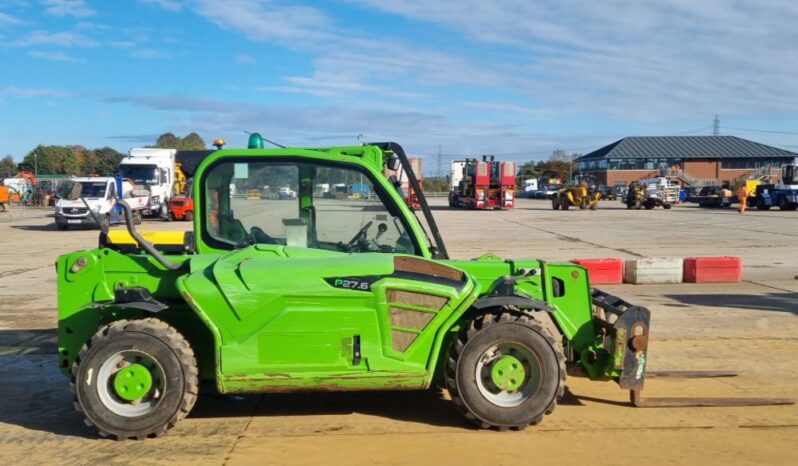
point(516, 78)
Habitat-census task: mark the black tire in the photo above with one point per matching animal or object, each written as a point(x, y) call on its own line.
point(504, 327)
point(667, 206)
point(555, 202)
point(62, 226)
point(166, 347)
point(565, 203)
point(189, 217)
point(105, 222)
point(761, 205)
point(137, 217)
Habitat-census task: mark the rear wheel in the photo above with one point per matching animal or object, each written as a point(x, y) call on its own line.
point(189, 217)
point(135, 379)
point(505, 371)
point(667, 206)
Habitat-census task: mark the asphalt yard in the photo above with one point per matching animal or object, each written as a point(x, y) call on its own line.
point(750, 327)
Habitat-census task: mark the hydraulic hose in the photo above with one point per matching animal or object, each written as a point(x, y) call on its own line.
point(143, 243)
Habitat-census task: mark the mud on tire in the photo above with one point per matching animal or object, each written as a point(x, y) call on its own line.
point(484, 402)
point(151, 343)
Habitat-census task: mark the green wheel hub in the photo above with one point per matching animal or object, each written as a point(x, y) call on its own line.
point(133, 382)
point(508, 373)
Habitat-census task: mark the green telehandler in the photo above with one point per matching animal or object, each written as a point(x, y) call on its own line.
point(324, 291)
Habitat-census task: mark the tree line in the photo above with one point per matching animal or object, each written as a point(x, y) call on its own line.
point(81, 161)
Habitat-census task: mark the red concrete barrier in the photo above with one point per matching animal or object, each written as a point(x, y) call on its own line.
point(724, 269)
point(604, 271)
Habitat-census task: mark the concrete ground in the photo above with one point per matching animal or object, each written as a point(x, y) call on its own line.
point(750, 326)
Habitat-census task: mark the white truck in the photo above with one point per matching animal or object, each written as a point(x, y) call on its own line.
point(151, 169)
point(100, 194)
point(456, 174)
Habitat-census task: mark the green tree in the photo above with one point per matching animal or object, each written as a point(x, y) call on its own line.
point(192, 141)
point(168, 141)
point(90, 163)
point(108, 160)
point(51, 160)
point(7, 167)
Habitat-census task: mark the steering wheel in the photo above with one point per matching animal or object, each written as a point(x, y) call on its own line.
point(257, 235)
point(359, 234)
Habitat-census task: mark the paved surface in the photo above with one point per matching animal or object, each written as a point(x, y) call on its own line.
point(751, 327)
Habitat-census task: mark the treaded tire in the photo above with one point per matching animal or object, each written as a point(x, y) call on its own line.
point(484, 331)
point(167, 347)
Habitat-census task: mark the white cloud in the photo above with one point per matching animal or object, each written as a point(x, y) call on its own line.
point(8, 19)
point(147, 53)
point(61, 39)
point(122, 44)
point(16, 91)
point(646, 60)
point(55, 56)
point(77, 8)
point(171, 5)
point(268, 20)
point(245, 59)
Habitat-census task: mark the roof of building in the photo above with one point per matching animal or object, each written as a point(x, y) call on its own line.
point(686, 147)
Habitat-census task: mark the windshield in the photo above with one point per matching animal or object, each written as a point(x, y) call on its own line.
point(275, 202)
point(140, 174)
point(93, 189)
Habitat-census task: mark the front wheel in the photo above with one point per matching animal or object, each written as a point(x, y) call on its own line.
point(189, 216)
point(135, 379)
point(505, 371)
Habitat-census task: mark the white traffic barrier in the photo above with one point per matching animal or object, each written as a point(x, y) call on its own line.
point(654, 270)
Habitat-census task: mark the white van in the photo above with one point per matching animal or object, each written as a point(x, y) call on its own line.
point(100, 195)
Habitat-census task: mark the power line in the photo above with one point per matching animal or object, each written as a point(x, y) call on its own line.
point(762, 130)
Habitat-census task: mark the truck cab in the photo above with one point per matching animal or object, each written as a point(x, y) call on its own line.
point(153, 170)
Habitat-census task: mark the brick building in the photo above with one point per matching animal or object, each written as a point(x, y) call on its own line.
point(695, 160)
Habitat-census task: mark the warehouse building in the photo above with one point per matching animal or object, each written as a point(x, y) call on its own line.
point(693, 160)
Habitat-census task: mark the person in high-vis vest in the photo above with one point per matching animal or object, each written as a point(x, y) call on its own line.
point(742, 196)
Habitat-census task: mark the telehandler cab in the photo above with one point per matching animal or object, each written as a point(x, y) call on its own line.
point(341, 292)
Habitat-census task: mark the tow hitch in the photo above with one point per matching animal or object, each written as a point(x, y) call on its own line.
point(627, 325)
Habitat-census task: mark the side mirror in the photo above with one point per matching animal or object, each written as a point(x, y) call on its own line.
point(70, 190)
point(393, 162)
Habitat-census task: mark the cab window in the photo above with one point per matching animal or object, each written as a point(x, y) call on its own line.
point(329, 207)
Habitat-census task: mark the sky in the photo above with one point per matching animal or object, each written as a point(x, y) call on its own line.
point(514, 78)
